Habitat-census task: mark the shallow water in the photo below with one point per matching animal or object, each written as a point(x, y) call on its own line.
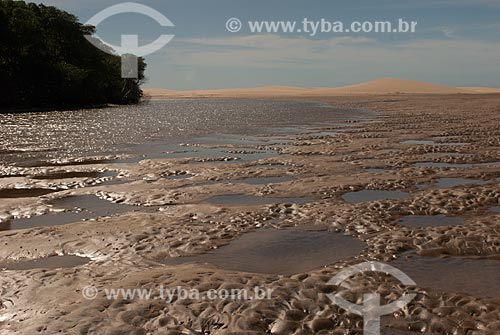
point(76, 174)
point(252, 181)
point(84, 207)
point(284, 251)
point(249, 154)
point(270, 166)
point(261, 181)
point(426, 142)
point(24, 192)
point(180, 176)
point(452, 182)
point(419, 142)
point(53, 262)
point(243, 199)
point(373, 195)
point(495, 209)
point(420, 221)
point(453, 165)
point(34, 138)
point(434, 164)
point(453, 274)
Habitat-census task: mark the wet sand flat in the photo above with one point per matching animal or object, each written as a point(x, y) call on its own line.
point(155, 227)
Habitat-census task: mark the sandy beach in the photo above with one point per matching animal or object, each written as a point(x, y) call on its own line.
point(433, 157)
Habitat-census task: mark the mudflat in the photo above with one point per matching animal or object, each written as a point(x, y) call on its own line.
point(169, 218)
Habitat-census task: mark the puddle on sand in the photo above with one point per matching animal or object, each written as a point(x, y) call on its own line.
point(90, 206)
point(418, 142)
point(242, 155)
point(452, 182)
point(434, 164)
point(252, 181)
point(180, 176)
point(244, 199)
point(373, 195)
point(279, 251)
point(64, 163)
point(76, 174)
point(495, 209)
point(423, 142)
point(464, 165)
point(261, 181)
point(419, 221)
point(24, 192)
point(478, 277)
point(53, 262)
point(270, 166)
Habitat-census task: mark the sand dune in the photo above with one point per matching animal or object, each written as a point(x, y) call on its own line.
point(379, 86)
point(391, 85)
point(482, 89)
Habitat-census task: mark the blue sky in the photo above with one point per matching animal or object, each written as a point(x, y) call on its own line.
point(457, 42)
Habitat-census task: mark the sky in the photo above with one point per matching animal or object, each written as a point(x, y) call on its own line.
point(456, 43)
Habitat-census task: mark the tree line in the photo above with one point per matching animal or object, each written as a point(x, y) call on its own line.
point(45, 61)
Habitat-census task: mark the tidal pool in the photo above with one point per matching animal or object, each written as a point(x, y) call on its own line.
point(495, 209)
point(478, 277)
point(426, 142)
point(52, 262)
point(455, 165)
point(243, 199)
point(76, 174)
point(279, 251)
point(452, 182)
point(78, 208)
point(24, 192)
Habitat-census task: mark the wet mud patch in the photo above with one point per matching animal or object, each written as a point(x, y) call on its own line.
point(478, 277)
point(261, 181)
point(376, 170)
point(24, 192)
point(373, 195)
point(452, 182)
point(454, 165)
point(279, 251)
point(76, 208)
point(179, 176)
point(495, 209)
point(249, 200)
point(68, 162)
point(421, 221)
point(76, 174)
point(426, 142)
point(52, 262)
point(443, 165)
point(270, 166)
point(251, 181)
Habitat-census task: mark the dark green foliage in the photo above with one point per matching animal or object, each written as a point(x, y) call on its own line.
point(46, 61)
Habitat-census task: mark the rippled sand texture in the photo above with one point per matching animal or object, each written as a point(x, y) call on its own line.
point(173, 219)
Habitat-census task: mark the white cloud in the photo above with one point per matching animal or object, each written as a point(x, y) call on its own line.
point(273, 51)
